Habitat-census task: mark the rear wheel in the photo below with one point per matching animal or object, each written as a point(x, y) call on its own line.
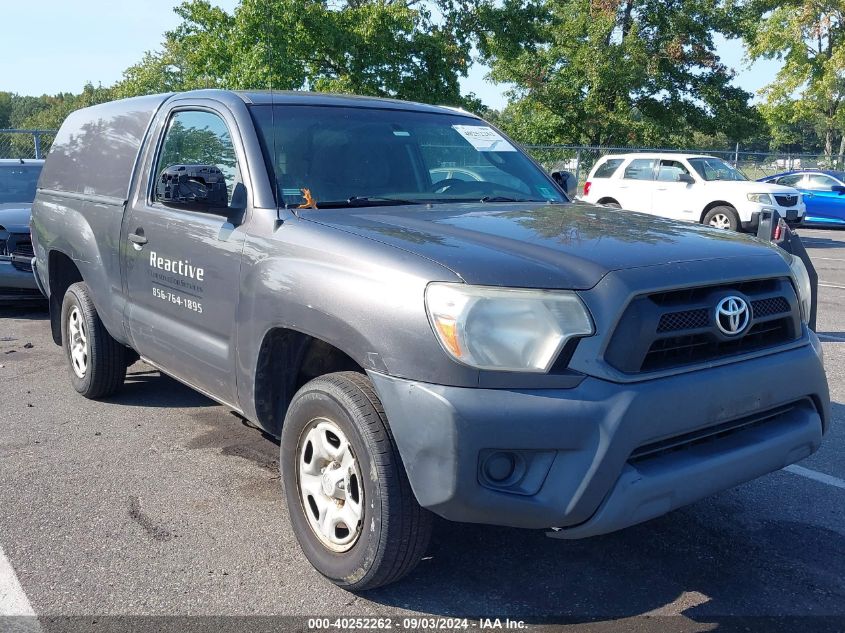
point(612, 203)
point(722, 218)
point(349, 499)
point(96, 362)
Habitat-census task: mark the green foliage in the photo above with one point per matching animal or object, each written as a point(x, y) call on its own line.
point(809, 37)
point(612, 72)
point(370, 47)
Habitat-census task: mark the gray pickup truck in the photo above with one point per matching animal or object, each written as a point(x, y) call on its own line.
point(423, 318)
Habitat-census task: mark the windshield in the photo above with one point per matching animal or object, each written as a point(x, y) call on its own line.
point(348, 157)
point(17, 183)
point(715, 169)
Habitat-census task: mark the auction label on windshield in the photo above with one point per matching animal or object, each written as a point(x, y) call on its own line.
point(484, 138)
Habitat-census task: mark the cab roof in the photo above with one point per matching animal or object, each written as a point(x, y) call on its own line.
point(301, 97)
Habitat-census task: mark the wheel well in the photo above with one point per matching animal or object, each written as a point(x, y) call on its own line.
point(607, 199)
point(713, 205)
point(286, 361)
point(62, 272)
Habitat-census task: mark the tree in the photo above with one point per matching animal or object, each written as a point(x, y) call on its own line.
point(372, 47)
point(612, 72)
point(809, 36)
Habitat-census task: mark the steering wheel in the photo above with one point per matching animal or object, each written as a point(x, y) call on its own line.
point(447, 183)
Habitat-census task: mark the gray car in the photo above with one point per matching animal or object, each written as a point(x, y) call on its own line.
point(18, 179)
point(481, 349)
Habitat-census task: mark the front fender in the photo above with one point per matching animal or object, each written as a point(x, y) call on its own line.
point(361, 296)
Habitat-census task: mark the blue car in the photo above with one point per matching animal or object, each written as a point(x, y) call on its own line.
point(823, 192)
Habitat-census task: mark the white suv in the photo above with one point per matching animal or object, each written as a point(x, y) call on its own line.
point(690, 187)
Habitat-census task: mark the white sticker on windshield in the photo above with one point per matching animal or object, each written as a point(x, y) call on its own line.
point(484, 138)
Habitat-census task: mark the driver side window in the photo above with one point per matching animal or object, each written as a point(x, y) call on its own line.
point(197, 137)
point(792, 180)
point(820, 182)
point(669, 171)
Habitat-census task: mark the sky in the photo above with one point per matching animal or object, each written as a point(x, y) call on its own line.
point(59, 45)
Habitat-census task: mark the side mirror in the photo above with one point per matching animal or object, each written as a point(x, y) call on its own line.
point(838, 189)
point(192, 186)
point(567, 182)
point(685, 178)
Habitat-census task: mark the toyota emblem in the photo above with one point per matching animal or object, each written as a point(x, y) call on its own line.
point(732, 315)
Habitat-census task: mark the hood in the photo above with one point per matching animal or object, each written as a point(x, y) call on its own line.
point(754, 186)
point(539, 246)
point(14, 217)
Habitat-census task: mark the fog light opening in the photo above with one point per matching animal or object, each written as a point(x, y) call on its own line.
point(500, 466)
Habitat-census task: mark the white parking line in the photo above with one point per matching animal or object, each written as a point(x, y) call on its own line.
point(831, 259)
point(824, 284)
point(815, 475)
point(13, 601)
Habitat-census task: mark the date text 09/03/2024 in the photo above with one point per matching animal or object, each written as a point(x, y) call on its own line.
point(413, 623)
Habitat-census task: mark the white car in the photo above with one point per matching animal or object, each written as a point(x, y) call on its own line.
point(690, 187)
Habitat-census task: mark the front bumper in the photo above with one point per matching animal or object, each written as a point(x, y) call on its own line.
point(17, 283)
point(750, 214)
point(573, 447)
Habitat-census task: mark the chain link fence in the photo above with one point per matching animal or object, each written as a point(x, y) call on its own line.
point(579, 159)
point(25, 143)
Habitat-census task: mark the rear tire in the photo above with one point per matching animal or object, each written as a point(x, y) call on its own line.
point(96, 362)
point(336, 427)
point(722, 218)
point(613, 204)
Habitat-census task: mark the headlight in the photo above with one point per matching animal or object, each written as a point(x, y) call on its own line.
point(505, 329)
point(802, 285)
point(760, 198)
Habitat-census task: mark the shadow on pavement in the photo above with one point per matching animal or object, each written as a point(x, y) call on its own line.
point(698, 556)
point(835, 335)
point(821, 242)
point(34, 311)
point(152, 389)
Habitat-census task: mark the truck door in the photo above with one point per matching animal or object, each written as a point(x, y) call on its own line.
point(182, 263)
point(637, 185)
point(673, 198)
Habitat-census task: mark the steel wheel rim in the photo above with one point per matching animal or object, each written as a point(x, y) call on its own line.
point(78, 342)
point(720, 221)
point(330, 487)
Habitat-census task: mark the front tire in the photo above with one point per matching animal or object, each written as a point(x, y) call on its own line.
point(96, 361)
point(340, 466)
point(722, 218)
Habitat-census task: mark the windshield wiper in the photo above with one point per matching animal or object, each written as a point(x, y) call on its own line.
point(365, 201)
point(506, 199)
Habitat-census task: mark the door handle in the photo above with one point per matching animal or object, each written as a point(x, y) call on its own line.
point(138, 238)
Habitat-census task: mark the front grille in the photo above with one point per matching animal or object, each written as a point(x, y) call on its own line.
point(668, 445)
point(787, 201)
point(768, 307)
point(677, 328)
point(685, 320)
point(695, 348)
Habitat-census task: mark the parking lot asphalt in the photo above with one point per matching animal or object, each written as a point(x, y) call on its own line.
point(160, 502)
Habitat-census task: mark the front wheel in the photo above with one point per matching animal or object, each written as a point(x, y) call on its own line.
point(722, 218)
point(350, 503)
